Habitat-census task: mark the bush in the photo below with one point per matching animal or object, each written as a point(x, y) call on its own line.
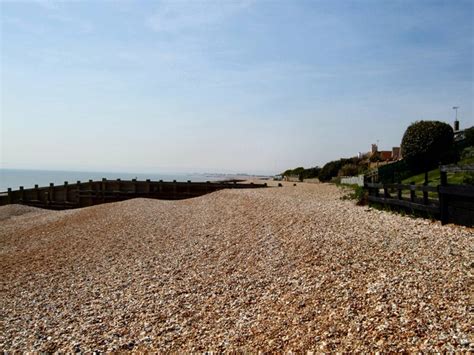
point(330, 170)
point(348, 170)
point(359, 194)
point(427, 143)
point(469, 134)
point(467, 153)
point(311, 173)
point(303, 173)
point(468, 179)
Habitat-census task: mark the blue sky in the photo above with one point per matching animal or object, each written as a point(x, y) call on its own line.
point(225, 86)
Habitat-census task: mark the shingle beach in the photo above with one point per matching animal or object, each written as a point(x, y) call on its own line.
point(292, 268)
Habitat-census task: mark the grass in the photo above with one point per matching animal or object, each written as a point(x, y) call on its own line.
point(434, 178)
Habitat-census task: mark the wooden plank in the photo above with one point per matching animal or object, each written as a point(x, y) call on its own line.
point(457, 168)
point(373, 185)
point(432, 208)
point(457, 190)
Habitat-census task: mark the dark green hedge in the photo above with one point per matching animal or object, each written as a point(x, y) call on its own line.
point(427, 143)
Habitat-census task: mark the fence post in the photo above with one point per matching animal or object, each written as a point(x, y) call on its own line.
point(175, 189)
point(78, 192)
point(36, 193)
point(22, 194)
point(399, 193)
point(9, 191)
point(102, 189)
point(385, 192)
point(134, 181)
point(443, 198)
point(66, 190)
point(119, 187)
point(51, 193)
point(412, 191)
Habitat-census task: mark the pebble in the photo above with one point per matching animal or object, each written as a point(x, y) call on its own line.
point(293, 269)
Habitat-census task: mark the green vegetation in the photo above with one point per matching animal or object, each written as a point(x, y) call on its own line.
point(453, 178)
point(342, 167)
point(357, 193)
point(303, 173)
point(426, 143)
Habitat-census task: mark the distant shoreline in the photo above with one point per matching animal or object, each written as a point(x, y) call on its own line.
point(14, 178)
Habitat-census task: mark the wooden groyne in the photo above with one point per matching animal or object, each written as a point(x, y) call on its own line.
point(83, 194)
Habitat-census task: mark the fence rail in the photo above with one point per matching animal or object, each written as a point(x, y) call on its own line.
point(449, 203)
point(413, 201)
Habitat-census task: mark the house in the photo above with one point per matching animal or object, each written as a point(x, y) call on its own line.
point(385, 155)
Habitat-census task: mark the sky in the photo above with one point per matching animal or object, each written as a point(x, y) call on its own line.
point(225, 86)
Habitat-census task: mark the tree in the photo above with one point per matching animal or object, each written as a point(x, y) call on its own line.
point(424, 144)
point(348, 170)
point(469, 133)
point(331, 169)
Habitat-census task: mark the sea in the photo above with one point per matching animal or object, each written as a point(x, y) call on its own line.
point(14, 178)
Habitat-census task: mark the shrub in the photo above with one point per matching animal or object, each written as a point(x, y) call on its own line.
point(469, 134)
point(311, 173)
point(468, 179)
point(425, 142)
point(468, 153)
point(359, 194)
point(348, 170)
point(330, 170)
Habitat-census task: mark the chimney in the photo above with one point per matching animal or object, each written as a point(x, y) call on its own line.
point(456, 126)
point(374, 148)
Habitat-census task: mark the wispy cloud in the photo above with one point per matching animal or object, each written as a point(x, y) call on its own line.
point(176, 16)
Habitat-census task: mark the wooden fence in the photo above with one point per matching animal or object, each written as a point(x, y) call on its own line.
point(449, 203)
point(82, 194)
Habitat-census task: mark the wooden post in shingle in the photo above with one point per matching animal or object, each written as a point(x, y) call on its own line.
point(50, 193)
point(66, 191)
point(77, 198)
point(22, 194)
point(147, 186)
point(443, 198)
point(425, 196)
point(9, 192)
point(102, 188)
point(134, 182)
point(412, 192)
point(36, 192)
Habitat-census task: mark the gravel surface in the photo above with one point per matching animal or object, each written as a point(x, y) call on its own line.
point(291, 268)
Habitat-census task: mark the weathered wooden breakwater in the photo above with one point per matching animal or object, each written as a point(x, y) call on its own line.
point(83, 194)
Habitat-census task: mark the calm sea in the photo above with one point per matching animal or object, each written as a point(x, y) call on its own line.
point(28, 178)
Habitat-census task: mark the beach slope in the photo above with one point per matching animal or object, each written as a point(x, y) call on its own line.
point(291, 268)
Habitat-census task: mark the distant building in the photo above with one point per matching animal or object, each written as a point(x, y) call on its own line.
point(384, 155)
